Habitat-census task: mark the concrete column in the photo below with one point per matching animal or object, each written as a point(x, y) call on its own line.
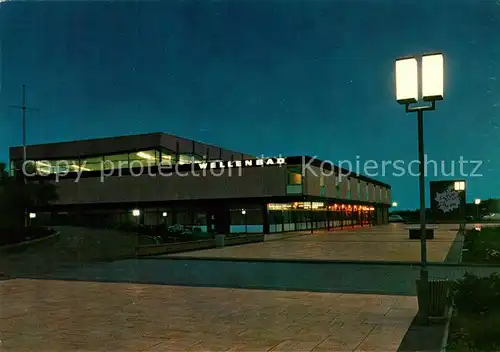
point(265, 219)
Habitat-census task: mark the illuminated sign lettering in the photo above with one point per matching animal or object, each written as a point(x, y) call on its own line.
point(242, 163)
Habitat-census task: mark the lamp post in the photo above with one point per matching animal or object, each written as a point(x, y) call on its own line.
point(164, 216)
point(459, 186)
point(136, 213)
point(410, 89)
point(477, 201)
point(244, 212)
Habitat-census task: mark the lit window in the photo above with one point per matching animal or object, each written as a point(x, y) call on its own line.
point(92, 164)
point(144, 158)
point(116, 161)
point(459, 186)
point(294, 176)
point(189, 159)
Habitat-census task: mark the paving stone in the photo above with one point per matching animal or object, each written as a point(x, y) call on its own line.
point(196, 319)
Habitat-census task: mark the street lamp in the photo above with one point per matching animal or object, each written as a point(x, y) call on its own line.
point(409, 91)
point(244, 212)
point(477, 201)
point(394, 204)
point(136, 213)
point(459, 186)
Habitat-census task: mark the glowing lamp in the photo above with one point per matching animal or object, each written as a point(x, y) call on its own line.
point(432, 77)
point(406, 80)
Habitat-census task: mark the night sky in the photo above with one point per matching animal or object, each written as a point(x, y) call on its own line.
point(260, 77)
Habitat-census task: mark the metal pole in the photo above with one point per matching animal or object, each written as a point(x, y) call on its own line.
point(23, 109)
point(477, 211)
point(312, 220)
point(424, 273)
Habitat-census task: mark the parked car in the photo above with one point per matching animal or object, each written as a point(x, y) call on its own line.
point(492, 216)
point(395, 218)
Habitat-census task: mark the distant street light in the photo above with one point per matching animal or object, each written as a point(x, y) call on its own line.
point(394, 204)
point(136, 213)
point(408, 92)
point(32, 215)
point(244, 212)
point(477, 201)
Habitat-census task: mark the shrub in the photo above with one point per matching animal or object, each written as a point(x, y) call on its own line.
point(477, 313)
point(477, 296)
point(13, 235)
point(482, 246)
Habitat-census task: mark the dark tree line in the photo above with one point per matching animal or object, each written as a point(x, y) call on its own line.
point(16, 196)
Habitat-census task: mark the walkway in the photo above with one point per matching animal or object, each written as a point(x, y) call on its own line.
point(66, 316)
point(381, 243)
point(76, 246)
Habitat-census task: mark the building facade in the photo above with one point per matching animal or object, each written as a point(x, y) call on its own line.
point(163, 179)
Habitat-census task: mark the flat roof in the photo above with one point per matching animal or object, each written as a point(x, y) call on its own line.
point(85, 148)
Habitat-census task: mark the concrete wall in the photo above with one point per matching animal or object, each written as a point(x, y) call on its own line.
point(312, 187)
point(312, 181)
point(253, 182)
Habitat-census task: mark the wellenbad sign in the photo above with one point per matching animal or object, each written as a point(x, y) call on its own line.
point(242, 163)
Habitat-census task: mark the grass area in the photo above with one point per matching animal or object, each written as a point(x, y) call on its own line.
point(476, 319)
point(10, 235)
point(482, 247)
point(476, 316)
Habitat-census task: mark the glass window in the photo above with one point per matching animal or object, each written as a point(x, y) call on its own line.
point(116, 161)
point(348, 189)
point(167, 157)
point(294, 176)
point(91, 164)
point(189, 158)
point(358, 190)
point(144, 158)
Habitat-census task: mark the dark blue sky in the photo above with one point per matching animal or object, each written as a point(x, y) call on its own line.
point(290, 77)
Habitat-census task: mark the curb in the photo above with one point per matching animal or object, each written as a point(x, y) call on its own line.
point(444, 342)
point(20, 244)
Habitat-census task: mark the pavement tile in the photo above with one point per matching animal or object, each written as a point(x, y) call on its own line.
point(383, 243)
point(193, 319)
point(295, 346)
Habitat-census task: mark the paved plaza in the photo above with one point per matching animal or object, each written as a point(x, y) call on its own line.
point(378, 243)
point(51, 315)
point(170, 303)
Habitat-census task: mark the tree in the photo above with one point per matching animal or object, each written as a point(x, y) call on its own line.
point(16, 196)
